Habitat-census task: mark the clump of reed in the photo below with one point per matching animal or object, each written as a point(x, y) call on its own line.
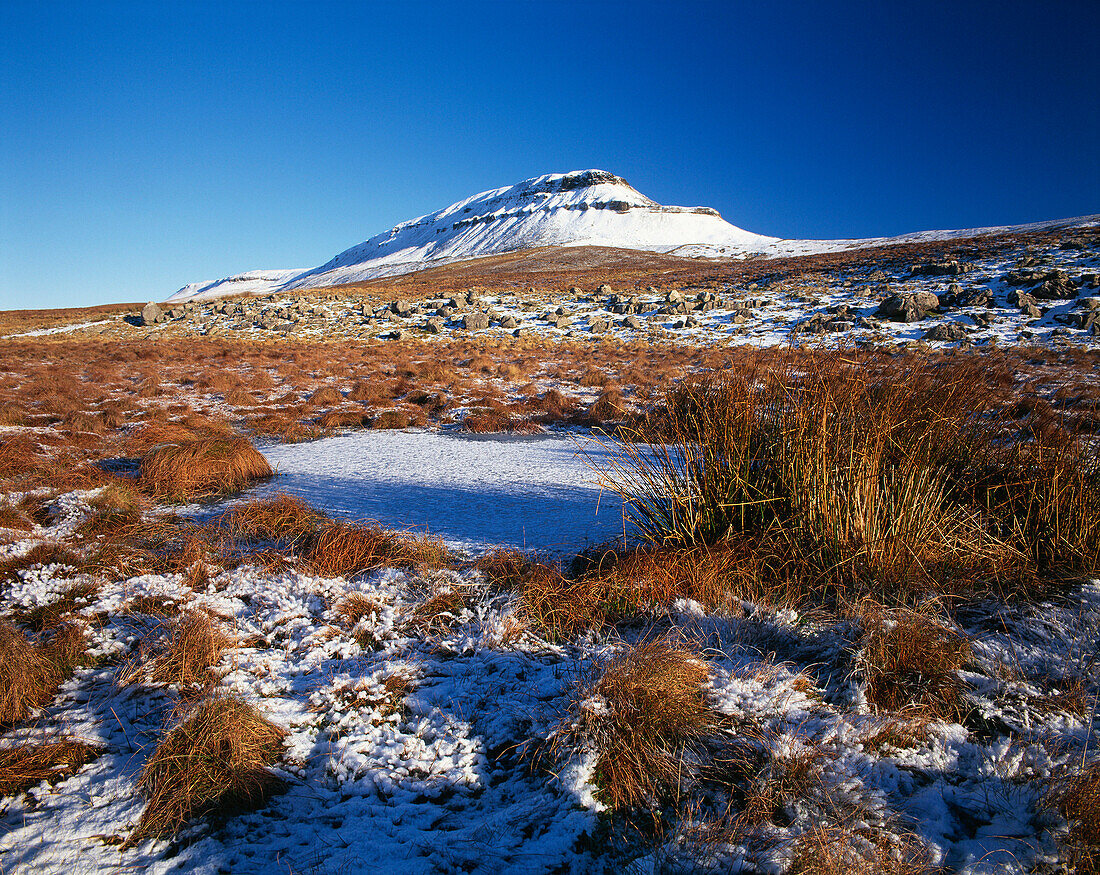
point(896, 476)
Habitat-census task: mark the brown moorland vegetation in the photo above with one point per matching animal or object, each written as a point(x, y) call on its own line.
point(216, 756)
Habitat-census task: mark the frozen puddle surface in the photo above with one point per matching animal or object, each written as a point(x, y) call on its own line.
point(533, 493)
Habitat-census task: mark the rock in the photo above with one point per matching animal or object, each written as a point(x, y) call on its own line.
point(951, 332)
point(907, 308)
point(151, 313)
point(475, 321)
point(1090, 303)
point(876, 276)
point(1056, 286)
point(1023, 300)
point(940, 268)
point(508, 322)
point(434, 325)
point(402, 308)
point(604, 289)
point(597, 325)
point(633, 322)
point(1032, 311)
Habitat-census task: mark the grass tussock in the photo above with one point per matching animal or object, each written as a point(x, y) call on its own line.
point(49, 553)
point(549, 601)
point(891, 476)
point(202, 468)
point(353, 607)
point(217, 757)
point(642, 711)
point(13, 518)
point(839, 849)
point(340, 549)
point(30, 672)
point(437, 612)
point(28, 765)
point(911, 660)
point(183, 655)
point(284, 519)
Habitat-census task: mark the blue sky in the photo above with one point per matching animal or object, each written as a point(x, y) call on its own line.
point(147, 145)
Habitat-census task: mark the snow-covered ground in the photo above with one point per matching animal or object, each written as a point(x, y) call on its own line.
point(536, 492)
point(439, 785)
point(581, 208)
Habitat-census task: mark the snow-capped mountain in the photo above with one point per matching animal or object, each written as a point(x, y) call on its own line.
point(583, 208)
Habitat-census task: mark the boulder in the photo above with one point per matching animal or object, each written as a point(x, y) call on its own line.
point(475, 321)
point(508, 322)
point(950, 332)
point(907, 307)
point(1055, 286)
point(151, 313)
point(633, 322)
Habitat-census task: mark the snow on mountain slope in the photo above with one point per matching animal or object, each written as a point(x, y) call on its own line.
point(583, 208)
point(255, 282)
point(588, 208)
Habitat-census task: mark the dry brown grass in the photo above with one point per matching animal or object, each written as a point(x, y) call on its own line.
point(353, 607)
point(897, 476)
point(202, 468)
point(436, 613)
point(27, 765)
point(832, 849)
point(1076, 796)
point(554, 604)
point(51, 614)
point(283, 518)
point(30, 673)
point(341, 549)
point(49, 553)
point(216, 757)
point(326, 396)
point(911, 659)
point(345, 417)
point(642, 710)
point(182, 654)
point(13, 518)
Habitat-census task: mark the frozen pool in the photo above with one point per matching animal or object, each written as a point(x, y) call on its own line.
point(532, 492)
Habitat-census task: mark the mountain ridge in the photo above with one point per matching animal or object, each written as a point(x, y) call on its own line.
point(580, 208)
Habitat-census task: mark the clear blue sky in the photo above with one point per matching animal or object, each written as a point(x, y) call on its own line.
point(147, 145)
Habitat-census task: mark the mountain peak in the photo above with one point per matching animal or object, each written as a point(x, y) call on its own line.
point(580, 208)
